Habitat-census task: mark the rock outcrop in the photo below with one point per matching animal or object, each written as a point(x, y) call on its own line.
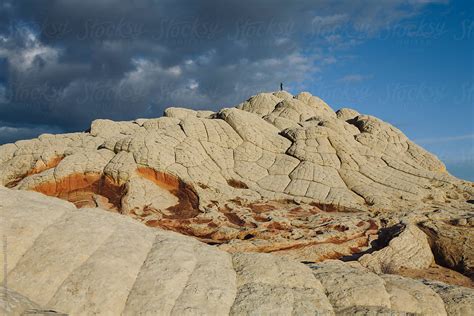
point(286, 201)
point(409, 249)
point(453, 242)
point(278, 173)
point(87, 261)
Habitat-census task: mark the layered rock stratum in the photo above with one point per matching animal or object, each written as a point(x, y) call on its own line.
point(281, 198)
point(91, 262)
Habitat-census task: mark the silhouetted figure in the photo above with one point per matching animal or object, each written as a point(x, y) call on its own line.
point(281, 86)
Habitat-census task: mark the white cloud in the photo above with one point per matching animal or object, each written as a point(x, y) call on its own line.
point(22, 59)
point(175, 70)
point(193, 84)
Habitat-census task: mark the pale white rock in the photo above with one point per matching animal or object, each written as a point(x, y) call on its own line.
point(367, 161)
point(348, 286)
point(161, 122)
point(121, 167)
point(71, 260)
point(144, 194)
point(107, 128)
point(298, 111)
point(179, 113)
point(412, 296)
point(27, 224)
point(7, 151)
point(255, 130)
point(317, 103)
point(15, 304)
point(261, 104)
point(111, 268)
point(277, 167)
point(283, 95)
point(457, 300)
point(50, 263)
point(346, 114)
point(408, 249)
point(278, 280)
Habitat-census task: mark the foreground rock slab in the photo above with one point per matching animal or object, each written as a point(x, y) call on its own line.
point(88, 261)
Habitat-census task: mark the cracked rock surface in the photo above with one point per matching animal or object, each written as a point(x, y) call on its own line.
point(285, 199)
point(277, 173)
point(87, 261)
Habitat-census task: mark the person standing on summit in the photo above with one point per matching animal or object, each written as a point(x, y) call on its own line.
point(281, 86)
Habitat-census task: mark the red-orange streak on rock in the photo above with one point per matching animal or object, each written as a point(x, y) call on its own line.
point(80, 189)
point(37, 169)
point(52, 163)
point(188, 205)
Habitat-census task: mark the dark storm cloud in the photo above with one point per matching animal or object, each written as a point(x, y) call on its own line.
point(65, 63)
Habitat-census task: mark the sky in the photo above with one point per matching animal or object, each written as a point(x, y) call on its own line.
point(64, 63)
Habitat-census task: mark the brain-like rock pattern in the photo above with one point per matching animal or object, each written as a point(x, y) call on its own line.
point(277, 173)
point(90, 262)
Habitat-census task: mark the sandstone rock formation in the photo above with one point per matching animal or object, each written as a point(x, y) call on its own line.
point(278, 173)
point(410, 249)
point(453, 242)
point(278, 187)
point(87, 261)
